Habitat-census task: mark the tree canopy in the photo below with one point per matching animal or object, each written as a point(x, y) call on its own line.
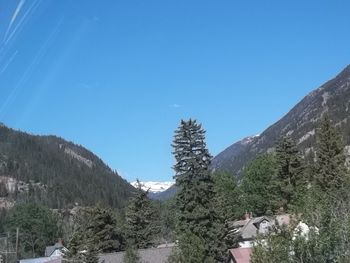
point(197, 216)
point(38, 227)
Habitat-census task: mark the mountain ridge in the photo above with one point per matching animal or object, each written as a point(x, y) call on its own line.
point(55, 172)
point(300, 123)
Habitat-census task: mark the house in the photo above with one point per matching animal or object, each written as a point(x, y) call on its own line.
point(56, 250)
point(151, 255)
point(239, 255)
point(41, 260)
point(246, 231)
point(53, 254)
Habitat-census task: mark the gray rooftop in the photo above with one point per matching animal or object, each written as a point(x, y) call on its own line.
point(50, 249)
point(249, 228)
point(151, 255)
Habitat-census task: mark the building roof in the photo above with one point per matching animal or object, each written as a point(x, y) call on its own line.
point(240, 223)
point(248, 228)
point(41, 260)
point(151, 255)
point(241, 255)
point(50, 249)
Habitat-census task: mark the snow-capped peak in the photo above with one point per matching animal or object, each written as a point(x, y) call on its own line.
point(154, 187)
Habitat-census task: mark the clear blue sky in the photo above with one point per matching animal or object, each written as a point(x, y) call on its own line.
point(118, 76)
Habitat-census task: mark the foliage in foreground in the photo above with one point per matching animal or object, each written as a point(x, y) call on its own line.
point(38, 227)
point(96, 231)
point(141, 220)
point(326, 209)
point(256, 185)
point(191, 249)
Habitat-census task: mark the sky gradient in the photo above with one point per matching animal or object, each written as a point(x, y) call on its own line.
point(118, 76)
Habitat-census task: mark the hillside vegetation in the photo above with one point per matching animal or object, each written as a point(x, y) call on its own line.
point(55, 172)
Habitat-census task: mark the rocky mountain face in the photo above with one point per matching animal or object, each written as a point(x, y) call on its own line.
point(55, 172)
point(300, 123)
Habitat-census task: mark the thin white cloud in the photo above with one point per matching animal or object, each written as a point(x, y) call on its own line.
point(85, 85)
point(14, 16)
point(2, 70)
point(27, 73)
point(175, 105)
point(22, 21)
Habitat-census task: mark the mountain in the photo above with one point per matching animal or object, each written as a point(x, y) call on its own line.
point(158, 190)
point(165, 195)
point(154, 187)
point(300, 123)
point(53, 171)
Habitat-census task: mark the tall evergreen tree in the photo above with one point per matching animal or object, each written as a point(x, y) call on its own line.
point(96, 231)
point(191, 249)
point(330, 170)
point(289, 180)
point(197, 213)
point(141, 220)
point(228, 196)
point(328, 199)
point(256, 185)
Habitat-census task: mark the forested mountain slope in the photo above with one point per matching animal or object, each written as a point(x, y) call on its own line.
point(300, 123)
point(55, 172)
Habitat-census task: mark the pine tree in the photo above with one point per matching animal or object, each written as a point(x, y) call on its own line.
point(141, 227)
point(89, 255)
point(228, 196)
point(326, 211)
point(191, 249)
point(330, 171)
point(256, 185)
point(38, 225)
point(329, 195)
point(197, 213)
point(289, 180)
point(96, 231)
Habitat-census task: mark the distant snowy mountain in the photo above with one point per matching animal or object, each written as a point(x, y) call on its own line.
point(154, 187)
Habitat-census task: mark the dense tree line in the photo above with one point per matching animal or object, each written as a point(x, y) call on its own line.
point(55, 178)
point(323, 205)
point(38, 227)
point(313, 190)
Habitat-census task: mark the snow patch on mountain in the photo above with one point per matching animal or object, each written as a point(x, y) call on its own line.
point(154, 187)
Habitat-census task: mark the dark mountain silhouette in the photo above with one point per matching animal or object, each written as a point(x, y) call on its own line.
point(55, 172)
